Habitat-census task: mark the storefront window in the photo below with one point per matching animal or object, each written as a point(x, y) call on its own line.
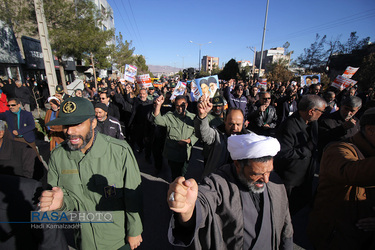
point(3, 73)
point(14, 72)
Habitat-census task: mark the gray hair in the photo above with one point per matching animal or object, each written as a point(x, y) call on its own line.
point(2, 125)
point(311, 101)
point(352, 101)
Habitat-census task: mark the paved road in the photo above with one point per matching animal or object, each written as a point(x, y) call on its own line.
point(156, 214)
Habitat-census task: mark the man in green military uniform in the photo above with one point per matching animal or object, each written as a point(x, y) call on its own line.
point(180, 134)
point(93, 172)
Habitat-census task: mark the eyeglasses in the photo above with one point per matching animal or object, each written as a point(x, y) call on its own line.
point(321, 111)
point(12, 105)
point(181, 106)
point(266, 98)
point(103, 98)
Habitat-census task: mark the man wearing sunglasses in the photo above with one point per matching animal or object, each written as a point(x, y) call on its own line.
point(20, 122)
point(262, 116)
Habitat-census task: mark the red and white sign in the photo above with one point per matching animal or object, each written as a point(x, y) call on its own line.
point(263, 83)
point(349, 72)
point(144, 81)
point(342, 82)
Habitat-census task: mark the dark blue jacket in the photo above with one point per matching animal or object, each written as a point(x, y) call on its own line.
point(27, 124)
point(235, 101)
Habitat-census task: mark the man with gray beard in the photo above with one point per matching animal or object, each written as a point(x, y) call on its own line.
point(241, 206)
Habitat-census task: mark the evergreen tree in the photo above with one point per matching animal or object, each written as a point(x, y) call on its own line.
point(230, 70)
point(352, 43)
point(315, 56)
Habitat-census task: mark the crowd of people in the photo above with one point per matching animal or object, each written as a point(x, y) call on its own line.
point(269, 152)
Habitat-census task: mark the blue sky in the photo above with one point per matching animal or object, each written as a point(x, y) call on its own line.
point(161, 29)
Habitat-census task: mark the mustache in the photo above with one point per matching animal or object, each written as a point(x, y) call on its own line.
point(69, 137)
point(258, 182)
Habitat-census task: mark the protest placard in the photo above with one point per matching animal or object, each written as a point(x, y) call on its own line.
point(349, 72)
point(144, 81)
point(194, 91)
point(263, 83)
point(307, 80)
point(342, 82)
point(130, 73)
point(208, 86)
point(179, 90)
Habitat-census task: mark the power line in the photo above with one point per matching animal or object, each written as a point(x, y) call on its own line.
point(339, 22)
point(136, 26)
point(131, 25)
point(123, 21)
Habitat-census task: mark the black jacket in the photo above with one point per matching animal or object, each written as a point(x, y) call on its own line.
point(295, 162)
point(18, 197)
point(111, 127)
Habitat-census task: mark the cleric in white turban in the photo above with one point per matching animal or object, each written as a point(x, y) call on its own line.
point(251, 146)
point(242, 205)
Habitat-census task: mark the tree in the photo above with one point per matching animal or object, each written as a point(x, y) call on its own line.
point(352, 44)
point(245, 73)
point(20, 15)
point(365, 74)
point(140, 63)
point(279, 72)
point(230, 70)
point(314, 56)
point(73, 28)
point(123, 52)
point(215, 70)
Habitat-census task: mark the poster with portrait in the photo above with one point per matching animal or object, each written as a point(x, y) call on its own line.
point(195, 94)
point(178, 90)
point(307, 80)
point(144, 81)
point(349, 72)
point(342, 82)
point(130, 73)
point(208, 86)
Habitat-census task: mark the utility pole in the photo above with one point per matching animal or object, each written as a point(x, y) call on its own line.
point(49, 64)
point(255, 52)
point(264, 35)
point(200, 48)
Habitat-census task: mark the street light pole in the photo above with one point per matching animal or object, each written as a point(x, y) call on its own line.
point(255, 51)
point(183, 61)
point(264, 35)
point(200, 48)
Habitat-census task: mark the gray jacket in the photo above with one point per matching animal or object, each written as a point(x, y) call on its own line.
point(217, 141)
point(219, 217)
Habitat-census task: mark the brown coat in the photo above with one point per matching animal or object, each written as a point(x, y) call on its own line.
point(55, 132)
point(345, 195)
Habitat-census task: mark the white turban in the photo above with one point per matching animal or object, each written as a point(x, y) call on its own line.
point(251, 146)
point(53, 98)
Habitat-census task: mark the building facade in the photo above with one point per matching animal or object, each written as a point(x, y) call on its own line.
point(209, 62)
point(270, 56)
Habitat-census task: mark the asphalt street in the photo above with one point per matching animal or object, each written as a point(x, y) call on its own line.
point(156, 214)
